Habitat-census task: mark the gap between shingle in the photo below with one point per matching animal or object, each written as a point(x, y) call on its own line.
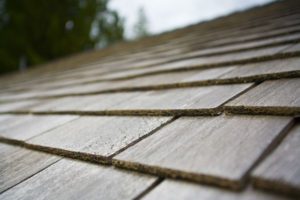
point(204, 178)
point(142, 112)
point(272, 186)
point(262, 110)
point(25, 179)
point(149, 189)
point(106, 160)
point(272, 146)
point(181, 175)
point(143, 137)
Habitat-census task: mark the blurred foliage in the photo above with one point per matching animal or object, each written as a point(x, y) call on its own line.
point(35, 31)
point(141, 26)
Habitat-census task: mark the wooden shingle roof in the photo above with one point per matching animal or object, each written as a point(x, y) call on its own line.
point(205, 112)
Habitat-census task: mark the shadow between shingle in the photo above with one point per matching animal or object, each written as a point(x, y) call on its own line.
point(262, 110)
point(178, 174)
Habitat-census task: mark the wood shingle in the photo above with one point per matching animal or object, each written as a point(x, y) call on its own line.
point(214, 105)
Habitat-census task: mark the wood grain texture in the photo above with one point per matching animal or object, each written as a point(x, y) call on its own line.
point(20, 127)
point(270, 97)
point(242, 57)
point(173, 190)
point(95, 87)
point(175, 77)
point(18, 164)
point(96, 138)
point(184, 99)
point(69, 179)
point(264, 68)
point(281, 170)
point(202, 62)
point(125, 85)
point(139, 74)
point(59, 91)
point(214, 150)
point(148, 77)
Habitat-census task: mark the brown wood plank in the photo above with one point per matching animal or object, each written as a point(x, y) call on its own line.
point(280, 171)
point(215, 150)
point(24, 127)
point(96, 138)
point(173, 190)
point(18, 164)
point(69, 179)
point(271, 97)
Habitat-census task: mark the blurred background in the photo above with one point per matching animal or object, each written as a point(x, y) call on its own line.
point(33, 32)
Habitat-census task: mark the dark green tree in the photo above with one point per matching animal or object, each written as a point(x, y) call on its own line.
point(35, 31)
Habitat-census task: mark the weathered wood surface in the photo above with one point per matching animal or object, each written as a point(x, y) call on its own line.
point(83, 103)
point(292, 48)
point(219, 150)
point(175, 77)
point(208, 74)
point(18, 164)
point(173, 190)
point(281, 170)
point(265, 68)
point(69, 179)
point(19, 105)
point(61, 91)
point(117, 85)
point(245, 73)
point(230, 47)
point(97, 138)
point(234, 58)
point(20, 127)
point(216, 150)
point(186, 99)
point(23, 94)
point(87, 69)
point(200, 62)
point(270, 97)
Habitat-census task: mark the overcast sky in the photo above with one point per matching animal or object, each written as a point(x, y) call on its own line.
point(164, 15)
